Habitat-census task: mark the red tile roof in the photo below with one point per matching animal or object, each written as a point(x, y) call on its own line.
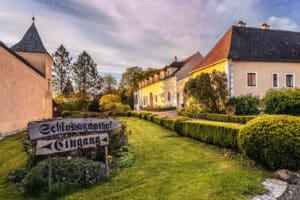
point(219, 52)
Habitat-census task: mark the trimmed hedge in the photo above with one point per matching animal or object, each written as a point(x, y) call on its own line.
point(217, 117)
point(272, 141)
point(217, 133)
point(160, 109)
point(222, 135)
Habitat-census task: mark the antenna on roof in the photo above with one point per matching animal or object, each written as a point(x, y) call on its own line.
point(33, 18)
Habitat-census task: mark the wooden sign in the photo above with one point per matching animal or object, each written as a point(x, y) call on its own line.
point(41, 129)
point(46, 147)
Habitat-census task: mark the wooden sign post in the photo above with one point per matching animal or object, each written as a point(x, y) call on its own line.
point(89, 134)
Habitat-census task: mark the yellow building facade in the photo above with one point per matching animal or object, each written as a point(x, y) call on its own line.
point(165, 88)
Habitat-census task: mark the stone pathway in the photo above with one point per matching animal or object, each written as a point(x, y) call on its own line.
point(282, 190)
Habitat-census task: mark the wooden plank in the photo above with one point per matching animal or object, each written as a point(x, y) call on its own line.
point(46, 147)
point(46, 128)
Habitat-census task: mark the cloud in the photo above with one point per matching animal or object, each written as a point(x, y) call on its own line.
point(283, 23)
point(123, 33)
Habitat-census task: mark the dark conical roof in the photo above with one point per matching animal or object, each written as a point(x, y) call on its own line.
point(31, 42)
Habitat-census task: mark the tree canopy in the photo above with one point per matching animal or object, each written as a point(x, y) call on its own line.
point(85, 74)
point(109, 84)
point(209, 90)
point(61, 70)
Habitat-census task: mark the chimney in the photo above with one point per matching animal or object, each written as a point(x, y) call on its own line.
point(265, 26)
point(241, 24)
point(175, 58)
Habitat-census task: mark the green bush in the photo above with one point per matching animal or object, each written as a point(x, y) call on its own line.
point(160, 109)
point(217, 117)
point(157, 120)
point(73, 172)
point(284, 101)
point(112, 102)
point(245, 104)
point(272, 141)
point(124, 114)
point(17, 175)
point(168, 123)
point(125, 158)
point(222, 135)
point(149, 117)
point(66, 113)
point(135, 114)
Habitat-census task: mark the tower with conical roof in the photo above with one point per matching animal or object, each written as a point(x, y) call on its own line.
point(25, 82)
point(31, 48)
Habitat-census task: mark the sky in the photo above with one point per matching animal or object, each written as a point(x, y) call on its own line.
point(148, 33)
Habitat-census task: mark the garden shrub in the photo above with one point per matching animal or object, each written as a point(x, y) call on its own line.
point(124, 114)
point(66, 113)
point(112, 102)
point(283, 101)
point(157, 119)
point(159, 108)
point(217, 117)
point(245, 104)
point(272, 141)
point(222, 135)
point(73, 172)
point(17, 175)
point(148, 117)
point(178, 125)
point(168, 123)
point(118, 138)
point(125, 158)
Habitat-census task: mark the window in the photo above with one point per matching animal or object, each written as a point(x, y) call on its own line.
point(49, 85)
point(251, 79)
point(275, 80)
point(155, 98)
point(136, 99)
point(289, 80)
point(161, 75)
point(169, 96)
point(168, 72)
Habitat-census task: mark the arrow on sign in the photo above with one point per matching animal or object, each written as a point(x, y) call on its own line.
point(104, 141)
point(47, 146)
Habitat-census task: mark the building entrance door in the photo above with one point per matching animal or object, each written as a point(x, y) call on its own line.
point(151, 99)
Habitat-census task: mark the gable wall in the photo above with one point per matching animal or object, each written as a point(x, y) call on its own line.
point(24, 94)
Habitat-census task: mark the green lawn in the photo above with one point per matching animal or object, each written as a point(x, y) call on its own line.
point(166, 166)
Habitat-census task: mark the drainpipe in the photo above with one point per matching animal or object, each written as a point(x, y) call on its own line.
point(229, 76)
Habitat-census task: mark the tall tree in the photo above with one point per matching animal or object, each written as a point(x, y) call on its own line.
point(209, 90)
point(129, 83)
point(61, 70)
point(68, 90)
point(85, 74)
point(109, 84)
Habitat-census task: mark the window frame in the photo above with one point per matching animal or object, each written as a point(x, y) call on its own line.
point(273, 80)
point(293, 82)
point(256, 77)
